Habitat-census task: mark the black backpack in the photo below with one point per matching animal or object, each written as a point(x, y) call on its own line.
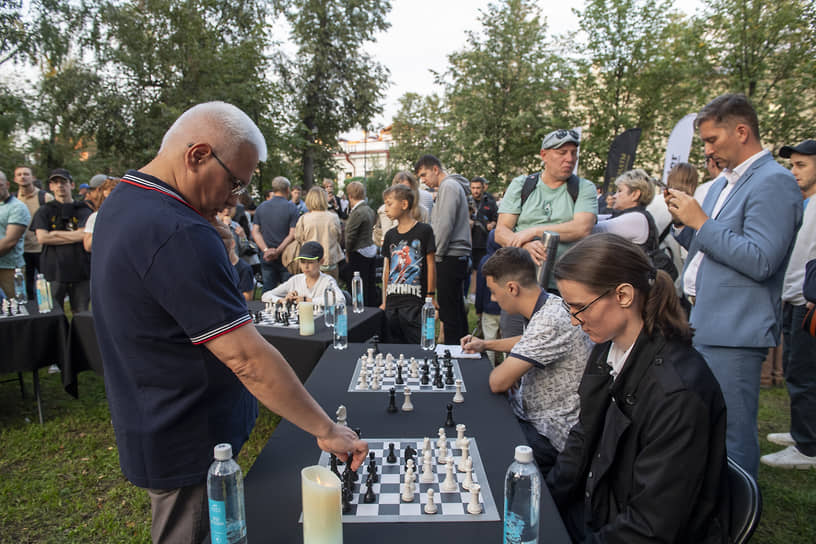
point(573, 186)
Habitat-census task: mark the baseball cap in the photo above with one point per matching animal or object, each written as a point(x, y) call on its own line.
point(60, 173)
point(557, 138)
point(310, 251)
point(84, 186)
point(808, 147)
point(97, 180)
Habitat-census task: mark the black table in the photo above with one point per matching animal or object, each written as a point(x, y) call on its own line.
point(273, 496)
point(32, 342)
point(302, 352)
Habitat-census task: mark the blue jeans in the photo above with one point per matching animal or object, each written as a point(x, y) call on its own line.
point(799, 363)
point(738, 370)
point(273, 274)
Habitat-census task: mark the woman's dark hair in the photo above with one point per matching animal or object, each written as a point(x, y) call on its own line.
point(604, 261)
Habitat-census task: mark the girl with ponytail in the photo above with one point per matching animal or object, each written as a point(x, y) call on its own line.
point(647, 460)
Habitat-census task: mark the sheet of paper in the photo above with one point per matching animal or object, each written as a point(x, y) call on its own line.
point(456, 352)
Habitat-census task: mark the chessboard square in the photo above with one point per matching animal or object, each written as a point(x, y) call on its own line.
point(453, 509)
point(372, 509)
point(389, 497)
point(389, 509)
point(390, 487)
point(466, 496)
point(410, 508)
point(390, 469)
point(454, 497)
point(390, 478)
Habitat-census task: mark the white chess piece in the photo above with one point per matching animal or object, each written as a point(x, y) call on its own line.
point(442, 454)
point(414, 368)
point(460, 434)
point(362, 382)
point(370, 354)
point(407, 406)
point(458, 398)
point(427, 472)
point(401, 360)
point(442, 437)
point(408, 491)
point(341, 414)
point(389, 358)
point(468, 474)
point(389, 369)
point(449, 485)
point(465, 456)
point(426, 444)
point(430, 505)
point(473, 506)
point(375, 383)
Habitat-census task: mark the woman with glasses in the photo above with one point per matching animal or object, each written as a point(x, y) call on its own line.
point(646, 460)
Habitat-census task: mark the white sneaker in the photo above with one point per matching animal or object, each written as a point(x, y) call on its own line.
point(790, 457)
point(783, 439)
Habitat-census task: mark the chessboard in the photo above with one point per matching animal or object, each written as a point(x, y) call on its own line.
point(412, 374)
point(10, 308)
point(389, 506)
point(280, 316)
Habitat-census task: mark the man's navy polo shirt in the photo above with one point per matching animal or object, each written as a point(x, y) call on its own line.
point(275, 217)
point(162, 286)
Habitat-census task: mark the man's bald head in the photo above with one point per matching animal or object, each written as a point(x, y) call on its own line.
point(222, 125)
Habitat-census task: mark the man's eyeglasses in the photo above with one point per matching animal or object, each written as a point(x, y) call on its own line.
point(584, 308)
point(239, 186)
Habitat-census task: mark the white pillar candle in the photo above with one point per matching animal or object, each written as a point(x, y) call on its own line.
point(306, 313)
point(322, 511)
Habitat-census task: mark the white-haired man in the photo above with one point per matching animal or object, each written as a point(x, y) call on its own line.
point(182, 359)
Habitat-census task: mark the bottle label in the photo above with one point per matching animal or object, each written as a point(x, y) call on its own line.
point(430, 328)
point(341, 325)
point(218, 522)
point(513, 528)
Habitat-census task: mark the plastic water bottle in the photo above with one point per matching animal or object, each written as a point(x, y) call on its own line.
point(44, 301)
point(522, 493)
point(428, 340)
point(225, 490)
point(329, 300)
point(357, 293)
point(340, 325)
point(19, 286)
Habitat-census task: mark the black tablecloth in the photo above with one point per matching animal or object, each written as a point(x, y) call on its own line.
point(302, 352)
point(273, 496)
point(33, 341)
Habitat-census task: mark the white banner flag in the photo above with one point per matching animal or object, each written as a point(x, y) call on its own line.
point(677, 150)
point(577, 151)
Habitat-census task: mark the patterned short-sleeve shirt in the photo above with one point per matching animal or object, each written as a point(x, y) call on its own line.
point(548, 394)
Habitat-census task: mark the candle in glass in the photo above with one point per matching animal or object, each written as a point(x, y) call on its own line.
point(306, 314)
point(322, 516)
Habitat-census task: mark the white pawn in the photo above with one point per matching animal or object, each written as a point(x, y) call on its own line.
point(375, 383)
point(442, 454)
point(460, 434)
point(468, 474)
point(449, 485)
point(362, 382)
point(407, 406)
point(408, 490)
point(465, 456)
point(442, 437)
point(370, 355)
point(458, 398)
point(427, 472)
point(430, 505)
point(473, 506)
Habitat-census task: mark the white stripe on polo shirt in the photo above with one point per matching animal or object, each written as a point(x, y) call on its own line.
point(223, 329)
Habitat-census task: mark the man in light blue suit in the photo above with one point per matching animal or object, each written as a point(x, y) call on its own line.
point(739, 243)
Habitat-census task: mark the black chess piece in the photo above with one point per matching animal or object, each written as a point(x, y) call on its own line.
point(392, 401)
point(436, 360)
point(376, 341)
point(369, 496)
point(449, 419)
point(447, 355)
point(334, 466)
point(258, 317)
point(449, 376)
point(391, 458)
point(409, 454)
point(399, 380)
point(438, 383)
point(425, 379)
point(358, 432)
point(372, 468)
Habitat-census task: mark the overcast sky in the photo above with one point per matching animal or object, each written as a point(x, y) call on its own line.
point(424, 32)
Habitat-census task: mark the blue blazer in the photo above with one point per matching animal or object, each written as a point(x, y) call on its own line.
point(747, 247)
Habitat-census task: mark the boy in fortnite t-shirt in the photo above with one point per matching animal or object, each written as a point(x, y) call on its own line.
point(409, 274)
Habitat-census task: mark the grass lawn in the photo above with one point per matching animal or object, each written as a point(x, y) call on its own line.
point(60, 482)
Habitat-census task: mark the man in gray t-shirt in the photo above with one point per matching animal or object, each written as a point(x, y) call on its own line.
point(545, 364)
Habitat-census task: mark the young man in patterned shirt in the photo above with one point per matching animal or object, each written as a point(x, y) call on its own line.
point(544, 365)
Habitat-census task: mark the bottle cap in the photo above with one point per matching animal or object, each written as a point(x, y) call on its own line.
point(524, 454)
point(223, 452)
point(429, 299)
point(356, 274)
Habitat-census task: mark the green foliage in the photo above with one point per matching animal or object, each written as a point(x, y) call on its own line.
point(501, 94)
point(332, 84)
point(415, 130)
